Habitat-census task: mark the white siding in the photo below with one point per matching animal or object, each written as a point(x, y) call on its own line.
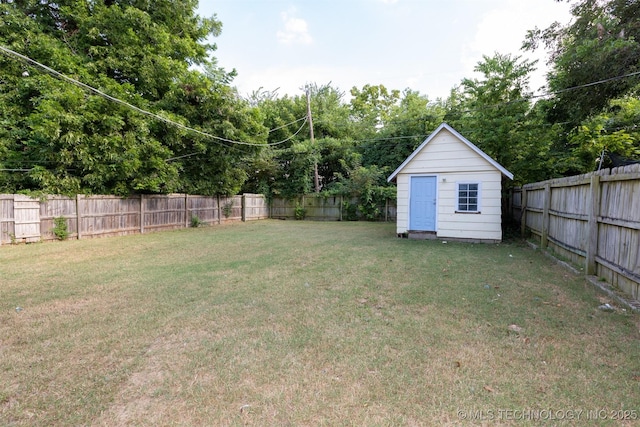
point(452, 161)
point(402, 203)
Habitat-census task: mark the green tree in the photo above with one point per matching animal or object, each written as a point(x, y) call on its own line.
point(601, 45)
point(288, 169)
point(495, 113)
point(367, 184)
point(371, 108)
point(409, 122)
point(66, 140)
point(608, 138)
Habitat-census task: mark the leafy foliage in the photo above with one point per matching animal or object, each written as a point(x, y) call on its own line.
point(60, 228)
point(58, 138)
point(600, 45)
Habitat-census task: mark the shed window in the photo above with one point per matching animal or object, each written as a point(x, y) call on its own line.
point(469, 197)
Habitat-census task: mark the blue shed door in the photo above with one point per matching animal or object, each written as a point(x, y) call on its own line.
point(422, 203)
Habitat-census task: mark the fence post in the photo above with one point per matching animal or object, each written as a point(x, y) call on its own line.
point(219, 210)
point(592, 227)
point(544, 240)
point(187, 218)
point(141, 213)
point(386, 209)
point(78, 216)
point(523, 212)
point(243, 204)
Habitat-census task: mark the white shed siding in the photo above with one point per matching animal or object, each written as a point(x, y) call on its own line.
point(485, 225)
point(446, 153)
point(452, 162)
point(402, 203)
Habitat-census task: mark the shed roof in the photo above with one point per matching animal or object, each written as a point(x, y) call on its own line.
point(464, 140)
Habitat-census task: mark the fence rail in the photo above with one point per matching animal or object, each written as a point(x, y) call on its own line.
point(593, 220)
point(24, 219)
point(321, 208)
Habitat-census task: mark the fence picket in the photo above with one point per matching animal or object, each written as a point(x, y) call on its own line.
point(592, 219)
point(24, 219)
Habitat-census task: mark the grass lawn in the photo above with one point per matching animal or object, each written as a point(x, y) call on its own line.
point(306, 323)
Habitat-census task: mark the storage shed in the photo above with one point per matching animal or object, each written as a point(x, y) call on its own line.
point(449, 188)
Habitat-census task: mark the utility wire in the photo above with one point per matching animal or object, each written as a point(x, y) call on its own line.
point(610, 79)
point(98, 92)
point(269, 145)
point(10, 52)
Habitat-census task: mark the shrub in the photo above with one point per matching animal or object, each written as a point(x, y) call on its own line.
point(350, 211)
point(227, 209)
point(60, 228)
point(300, 212)
point(195, 221)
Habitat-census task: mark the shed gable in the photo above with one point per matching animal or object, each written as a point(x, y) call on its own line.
point(445, 150)
point(446, 153)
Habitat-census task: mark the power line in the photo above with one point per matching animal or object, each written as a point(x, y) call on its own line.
point(98, 92)
point(610, 79)
point(10, 52)
point(269, 145)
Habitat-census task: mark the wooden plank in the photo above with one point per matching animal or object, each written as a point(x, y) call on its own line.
point(142, 214)
point(623, 177)
point(79, 215)
point(568, 215)
point(545, 216)
point(26, 213)
point(569, 183)
point(619, 270)
point(592, 229)
point(187, 216)
point(633, 225)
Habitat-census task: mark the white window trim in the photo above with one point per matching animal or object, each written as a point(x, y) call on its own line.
point(479, 210)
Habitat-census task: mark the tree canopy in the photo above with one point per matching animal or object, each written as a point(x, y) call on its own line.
point(197, 134)
point(59, 138)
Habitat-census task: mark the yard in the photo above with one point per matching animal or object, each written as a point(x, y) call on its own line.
point(306, 323)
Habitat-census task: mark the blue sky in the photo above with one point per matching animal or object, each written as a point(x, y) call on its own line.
point(425, 45)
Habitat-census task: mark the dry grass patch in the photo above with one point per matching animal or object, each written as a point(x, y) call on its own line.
point(301, 323)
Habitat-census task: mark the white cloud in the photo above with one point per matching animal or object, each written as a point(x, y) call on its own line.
point(296, 30)
point(290, 80)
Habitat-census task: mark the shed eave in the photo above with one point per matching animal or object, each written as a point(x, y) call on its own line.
point(468, 143)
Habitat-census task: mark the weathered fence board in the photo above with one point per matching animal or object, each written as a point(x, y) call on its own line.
point(321, 208)
point(108, 216)
point(282, 208)
point(592, 220)
point(55, 207)
point(163, 212)
point(26, 213)
point(23, 219)
point(7, 224)
point(206, 209)
point(255, 207)
point(231, 208)
point(101, 215)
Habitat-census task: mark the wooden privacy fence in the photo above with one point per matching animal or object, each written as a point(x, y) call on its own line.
point(23, 219)
point(593, 220)
point(321, 208)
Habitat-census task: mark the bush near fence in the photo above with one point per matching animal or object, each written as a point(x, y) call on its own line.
point(593, 220)
point(24, 219)
point(318, 207)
